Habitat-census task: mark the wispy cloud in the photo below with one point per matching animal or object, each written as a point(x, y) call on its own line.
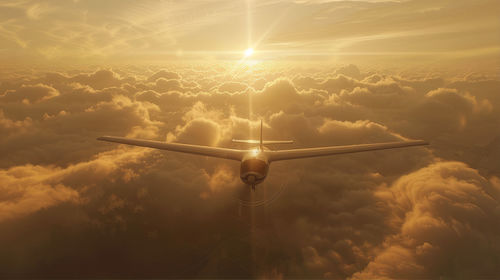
point(113, 29)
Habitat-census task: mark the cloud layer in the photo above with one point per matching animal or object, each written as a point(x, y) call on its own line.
point(75, 207)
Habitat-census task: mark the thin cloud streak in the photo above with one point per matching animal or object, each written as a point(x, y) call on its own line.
point(54, 31)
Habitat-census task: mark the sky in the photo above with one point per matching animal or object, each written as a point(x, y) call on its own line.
point(321, 73)
point(115, 31)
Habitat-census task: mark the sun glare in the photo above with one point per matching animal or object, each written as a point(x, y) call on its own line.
point(248, 52)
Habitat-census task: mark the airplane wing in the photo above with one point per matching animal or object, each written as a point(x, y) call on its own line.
point(176, 147)
point(333, 150)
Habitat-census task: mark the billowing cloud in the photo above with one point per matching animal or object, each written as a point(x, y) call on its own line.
point(24, 191)
point(199, 131)
point(100, 79)
point(232, 87)
point(8, 126)
point(167, 75)
point(30, 94)
point(445, 216)
point(30, 188)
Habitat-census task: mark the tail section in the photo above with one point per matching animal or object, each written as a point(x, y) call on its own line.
point(261, 141)
point(264, 142)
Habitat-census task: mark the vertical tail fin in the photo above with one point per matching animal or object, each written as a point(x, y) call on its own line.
point(261, 146)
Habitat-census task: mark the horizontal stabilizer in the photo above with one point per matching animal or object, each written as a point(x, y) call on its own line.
point(268, 142)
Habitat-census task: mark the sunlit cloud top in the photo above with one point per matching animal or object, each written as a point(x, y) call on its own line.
point(114, 30)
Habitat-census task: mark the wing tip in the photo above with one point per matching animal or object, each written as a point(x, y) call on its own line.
point(422, 142)
point(104, 138)
point(416, 142)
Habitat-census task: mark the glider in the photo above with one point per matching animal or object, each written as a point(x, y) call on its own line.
point(255, 162)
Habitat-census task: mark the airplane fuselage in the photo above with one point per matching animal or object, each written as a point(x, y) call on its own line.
point(254, 167)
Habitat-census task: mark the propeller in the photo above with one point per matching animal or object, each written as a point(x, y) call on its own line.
point(260, 195)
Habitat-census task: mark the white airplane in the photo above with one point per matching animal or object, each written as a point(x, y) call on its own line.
point(255, 162)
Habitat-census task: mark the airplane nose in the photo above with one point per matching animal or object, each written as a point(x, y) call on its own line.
point(251, 179)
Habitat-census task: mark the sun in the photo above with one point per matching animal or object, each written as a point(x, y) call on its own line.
point(248, 52)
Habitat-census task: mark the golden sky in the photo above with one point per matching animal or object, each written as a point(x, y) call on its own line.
point(117, 30)
point(321, 73)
